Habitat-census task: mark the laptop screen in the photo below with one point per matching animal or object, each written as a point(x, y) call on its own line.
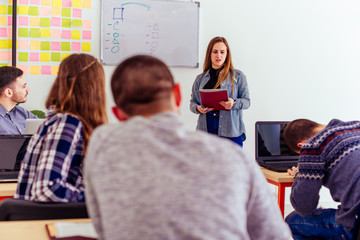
point(270, 144)
point(12, 148)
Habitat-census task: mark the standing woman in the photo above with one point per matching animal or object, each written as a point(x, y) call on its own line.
point(219, 72)
point(51, 170)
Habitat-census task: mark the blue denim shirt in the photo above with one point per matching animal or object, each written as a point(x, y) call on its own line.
point(13, 121)
point(230, 123)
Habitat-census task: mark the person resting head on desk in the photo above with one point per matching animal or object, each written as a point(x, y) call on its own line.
point(51, 170)
point(13, 90)
point(148, 177)
point(329, 156)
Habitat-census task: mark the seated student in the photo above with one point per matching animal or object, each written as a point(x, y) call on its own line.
point(148, 177)
point(51, 170)
point(329, 156)
point(13, 90)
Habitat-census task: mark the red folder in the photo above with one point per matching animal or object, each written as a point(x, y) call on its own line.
point(211, 98)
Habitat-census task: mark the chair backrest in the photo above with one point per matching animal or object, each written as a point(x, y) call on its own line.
point(15, 209)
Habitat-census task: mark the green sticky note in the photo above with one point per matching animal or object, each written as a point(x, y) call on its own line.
point(77, 23)
point(33, 11)
point(66, 22)
point(45, 46)
point(66, 12)
point(65, 46)
point(23, 56)
point(3, 64)
point(10, 8)
point(23, 32)
point(44, 22)
point(35, 32)
point(55, 57)
point(3, 9)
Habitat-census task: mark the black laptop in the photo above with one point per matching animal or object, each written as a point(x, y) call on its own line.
point(12, 148)
point(271, 151)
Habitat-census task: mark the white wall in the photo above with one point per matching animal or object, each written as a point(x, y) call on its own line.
point(301, 58)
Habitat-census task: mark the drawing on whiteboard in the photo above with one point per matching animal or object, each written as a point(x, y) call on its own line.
point(168, 30)
point(141, 4)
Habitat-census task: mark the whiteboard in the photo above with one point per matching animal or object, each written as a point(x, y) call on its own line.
point(168, 30)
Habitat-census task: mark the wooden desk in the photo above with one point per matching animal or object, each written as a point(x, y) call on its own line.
point(29, 230)
point(281, 180)
point(7, 190)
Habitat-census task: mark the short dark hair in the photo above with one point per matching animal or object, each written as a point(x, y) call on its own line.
point(141, 84)
point(8, 76)
point(299, 130)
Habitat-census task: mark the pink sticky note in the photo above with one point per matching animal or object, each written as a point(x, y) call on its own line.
point(55, 46)
point(66, 34)
point(87, 35)
point(44, 11)
point(77, 12)
point(34, 57)
point(3, 32)
point(9, 20)
point(55, 22)
point(25, 69)
point(46, 70)
point(23, 21)
point(75, 46)
point(66, 3)
point(55, 33)
point(35, 2)
point(24, 2)
point(23, 44)
point(5, 55)
point(86, 24)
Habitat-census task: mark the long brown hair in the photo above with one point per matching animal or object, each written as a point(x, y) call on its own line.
point(79, 90)
point(228, 66)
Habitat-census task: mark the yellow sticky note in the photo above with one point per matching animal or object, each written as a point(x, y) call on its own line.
point(76, 34)
point(3, 21)
point(87, 4)
point(23, 10)
point(64, 55)
point(45, 32)
point(57, 3)
point(86, 47)
point(34, 45)
point(56, 11)
point(76, 3)
point(3, 9)
point(54, 70)
point(9, 44)
point(3, 44)
point(35, 70)
point(44, 57)
point(34, 21)
point(45, 2)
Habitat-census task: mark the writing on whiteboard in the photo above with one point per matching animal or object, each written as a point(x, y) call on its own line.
point(166, 29)
point(114, 29)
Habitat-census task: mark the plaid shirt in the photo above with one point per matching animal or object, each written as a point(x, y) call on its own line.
point(51, 170)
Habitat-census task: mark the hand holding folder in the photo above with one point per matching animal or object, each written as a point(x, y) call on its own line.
point(212, 97)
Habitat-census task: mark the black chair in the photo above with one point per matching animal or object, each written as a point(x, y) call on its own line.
point(14, 209)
